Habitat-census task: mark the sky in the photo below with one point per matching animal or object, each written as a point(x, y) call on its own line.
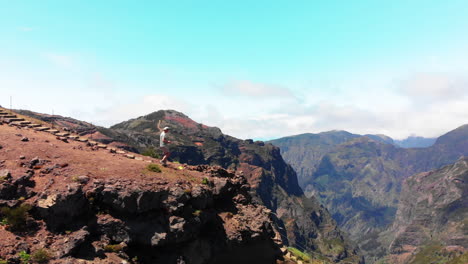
point(255, 69)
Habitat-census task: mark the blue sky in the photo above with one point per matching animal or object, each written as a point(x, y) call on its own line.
point(256, 69)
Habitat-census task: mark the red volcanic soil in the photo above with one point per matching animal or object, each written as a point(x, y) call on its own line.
point(76, 158)
point(63, 164)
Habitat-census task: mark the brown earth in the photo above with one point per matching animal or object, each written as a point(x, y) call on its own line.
point(84, 199)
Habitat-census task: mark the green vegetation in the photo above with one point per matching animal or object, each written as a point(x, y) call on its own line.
point(205, 181)
point(435, 253)
point(153, 167)
point(335, 246)
point(40, 256)
point(113, 248)
point(16, 217)
point(299, 254)
point(197, 213)
point(151, 152)
point(460, 259)
point(2, 261)
point(24, 257)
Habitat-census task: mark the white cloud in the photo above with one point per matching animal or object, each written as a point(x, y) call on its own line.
point(61, 60)
point(434, 86)
point(255, 89)
point(242, 110)
point(26, 29)
point(142, 106)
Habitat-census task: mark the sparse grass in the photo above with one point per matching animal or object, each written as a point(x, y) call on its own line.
point(431, 253)
point(151, 152)
point(113, 248)
point(205, 181)
point(153, 167)
point(16, 217)
point(299, 254)
point(40, 256)
point(335, 246)
point(460, 259)
point(24, 257)
point(197, 213)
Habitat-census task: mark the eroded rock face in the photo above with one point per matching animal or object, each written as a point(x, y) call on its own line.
point(64, 209)
point(167, 223)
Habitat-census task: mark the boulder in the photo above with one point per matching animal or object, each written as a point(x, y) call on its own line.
point(70, 244)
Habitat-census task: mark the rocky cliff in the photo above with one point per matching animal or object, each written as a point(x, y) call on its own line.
point(64, 201)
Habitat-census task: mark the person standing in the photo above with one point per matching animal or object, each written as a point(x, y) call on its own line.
point(163, 141)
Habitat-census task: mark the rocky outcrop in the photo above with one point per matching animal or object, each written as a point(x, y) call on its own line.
point(213, 221)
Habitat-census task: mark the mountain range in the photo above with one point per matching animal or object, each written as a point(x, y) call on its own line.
point(359, 178)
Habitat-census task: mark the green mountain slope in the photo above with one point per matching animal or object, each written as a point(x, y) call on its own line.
point(432, 217)
point(359, 181)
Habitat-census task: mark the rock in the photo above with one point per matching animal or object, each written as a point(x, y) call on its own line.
point(33, 162)
point(25, 139)
point(64, 209)
point(8, 190)
point(130, 156)
point(25, 180)
point(201, 197)
point(48, 169)
point(70, 244)
point(113, 228)
point(83, 179)
point(284, 250)
point(22, 157)
point(158, 239)
point(176, 224)
point(5, 175)
point(221, 186)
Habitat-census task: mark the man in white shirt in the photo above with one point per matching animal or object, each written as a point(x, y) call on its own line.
point(162, 143)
